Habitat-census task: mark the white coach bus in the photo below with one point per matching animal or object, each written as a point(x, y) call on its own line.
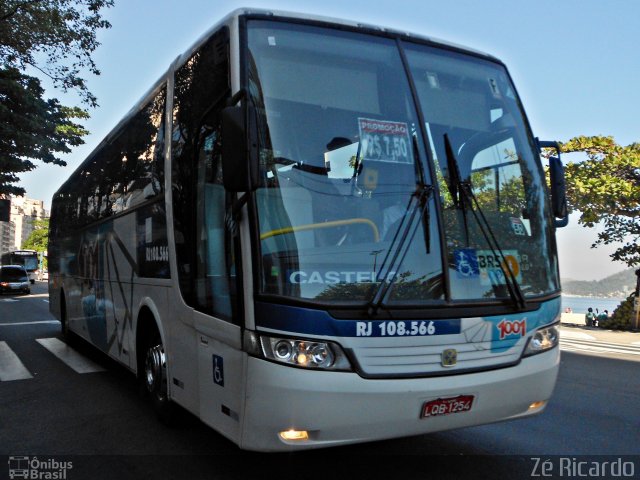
point(312, 232)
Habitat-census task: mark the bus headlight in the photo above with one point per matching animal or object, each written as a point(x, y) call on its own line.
point(543, 339)
point(304, 353)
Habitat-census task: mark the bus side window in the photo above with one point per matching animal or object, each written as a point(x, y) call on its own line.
point(214, 259)
point(203, 251)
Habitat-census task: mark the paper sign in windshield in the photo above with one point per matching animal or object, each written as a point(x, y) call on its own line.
point(489, 266)
point(492, 267)
point(385, 141)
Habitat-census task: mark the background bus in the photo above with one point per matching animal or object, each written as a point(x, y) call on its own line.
point(311, 232)
point(26, 258)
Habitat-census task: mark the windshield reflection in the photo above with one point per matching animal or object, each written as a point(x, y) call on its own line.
point(344, 172)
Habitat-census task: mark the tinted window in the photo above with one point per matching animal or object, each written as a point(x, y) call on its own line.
point(13, 275)
point(204, 249)
point(125, 172)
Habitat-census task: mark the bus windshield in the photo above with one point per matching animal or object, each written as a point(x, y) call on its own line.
point(343, 158)
point(26, 258)
point(483, 150)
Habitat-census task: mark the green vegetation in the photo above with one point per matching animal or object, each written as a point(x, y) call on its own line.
point(622, 317)
point(53, 39)
point(39, 238)
point(605, 188)
point(33, 128)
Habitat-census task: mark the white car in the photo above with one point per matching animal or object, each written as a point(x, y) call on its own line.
point(14, 279)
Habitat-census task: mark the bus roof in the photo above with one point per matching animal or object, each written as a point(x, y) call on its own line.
point(230, 18)
point(329, 21)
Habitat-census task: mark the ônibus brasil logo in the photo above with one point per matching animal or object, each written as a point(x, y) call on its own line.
point(512, 327)
point(32, 468)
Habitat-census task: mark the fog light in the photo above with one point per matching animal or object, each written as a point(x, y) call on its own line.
point(537, 405)
point(294, 435)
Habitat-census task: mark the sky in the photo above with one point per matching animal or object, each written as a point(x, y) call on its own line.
point(574, 62)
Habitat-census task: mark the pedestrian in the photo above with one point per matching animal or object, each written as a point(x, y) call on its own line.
point(590, 317)
point(602, 318)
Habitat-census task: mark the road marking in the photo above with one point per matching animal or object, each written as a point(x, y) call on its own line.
point(45, 301)
point(68, 355)
point(11, 368)
point(39, 295)
point(9, 300)
point(28, 323)
point(599, 347)
point(575, 335)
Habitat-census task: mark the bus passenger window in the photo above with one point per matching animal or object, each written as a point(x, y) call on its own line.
point(199, 198)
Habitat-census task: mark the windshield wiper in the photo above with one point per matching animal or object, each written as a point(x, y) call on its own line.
point(463, 194)
point(404, 234)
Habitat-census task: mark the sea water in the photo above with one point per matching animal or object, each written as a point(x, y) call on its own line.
point(581, 304)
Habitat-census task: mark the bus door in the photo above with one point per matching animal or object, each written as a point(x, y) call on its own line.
point(205, 250)
point(220, 372)
point(218, 336)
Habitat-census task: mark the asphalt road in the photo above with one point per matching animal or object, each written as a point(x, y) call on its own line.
point(100, 423)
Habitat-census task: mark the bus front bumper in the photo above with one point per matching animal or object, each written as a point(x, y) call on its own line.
point(336, 408)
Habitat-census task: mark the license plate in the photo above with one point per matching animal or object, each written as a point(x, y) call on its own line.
point(447, 406)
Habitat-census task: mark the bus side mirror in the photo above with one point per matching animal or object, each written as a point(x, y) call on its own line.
point(559, 206)
point(558, 192)
point(239, 149)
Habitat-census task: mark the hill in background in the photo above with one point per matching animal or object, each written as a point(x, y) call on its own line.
point(618, 285)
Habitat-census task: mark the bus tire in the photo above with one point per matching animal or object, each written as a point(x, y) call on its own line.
point(154, 378)
point(64, 322)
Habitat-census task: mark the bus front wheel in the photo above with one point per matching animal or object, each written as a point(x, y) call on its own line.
point(154, 378)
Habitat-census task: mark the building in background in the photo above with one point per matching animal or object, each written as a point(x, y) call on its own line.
point(7, 236)
point(24, 211)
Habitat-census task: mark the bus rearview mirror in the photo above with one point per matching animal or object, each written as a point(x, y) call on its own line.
point(239, 149)
point(558, 189)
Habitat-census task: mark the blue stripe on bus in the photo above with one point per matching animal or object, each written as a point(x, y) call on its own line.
point(506, 330)
point(318, 322)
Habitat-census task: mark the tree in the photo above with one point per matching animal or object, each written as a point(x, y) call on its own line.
point(39, 238)
point(46, 34)
point(32, 128)
point(605, 188)
point(54, 38)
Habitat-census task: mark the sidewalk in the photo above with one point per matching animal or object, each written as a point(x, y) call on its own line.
point(573, 319)
point(576, 321)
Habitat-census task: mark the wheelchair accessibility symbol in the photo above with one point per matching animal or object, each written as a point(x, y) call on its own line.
point(218, 370)
point(466, 261)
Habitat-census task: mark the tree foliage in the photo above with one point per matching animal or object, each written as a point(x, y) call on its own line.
point(56, 37)
point(622, 317)
point(52, 38)
point(32, 128)
point(39, 238)
point(605, 188)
